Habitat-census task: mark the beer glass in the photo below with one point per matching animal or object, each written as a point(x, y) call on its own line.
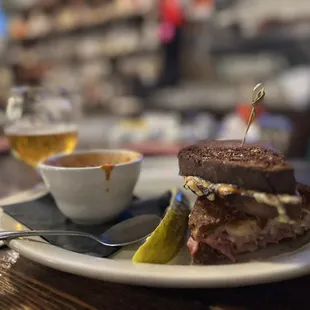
point(40, 123)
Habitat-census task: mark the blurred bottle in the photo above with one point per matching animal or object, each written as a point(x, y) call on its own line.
point(300, 136)
point(197, 126)
point(172, 18)
point(295, 86)
point(276, 131)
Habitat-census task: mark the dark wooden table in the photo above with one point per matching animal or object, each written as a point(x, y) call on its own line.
point(27, 285)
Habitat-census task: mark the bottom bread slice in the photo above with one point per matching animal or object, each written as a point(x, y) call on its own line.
point(219, 232)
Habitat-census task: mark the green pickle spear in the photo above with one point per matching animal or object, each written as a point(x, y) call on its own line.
point(168, 238)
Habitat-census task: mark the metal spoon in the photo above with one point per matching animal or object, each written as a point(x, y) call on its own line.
point(121, 234)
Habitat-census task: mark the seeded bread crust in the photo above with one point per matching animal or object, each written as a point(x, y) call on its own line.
point(249, 167)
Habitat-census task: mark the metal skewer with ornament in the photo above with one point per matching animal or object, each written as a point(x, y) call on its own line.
point(258, 95)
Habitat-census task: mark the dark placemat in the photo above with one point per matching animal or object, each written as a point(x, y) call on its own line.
point(43, 214)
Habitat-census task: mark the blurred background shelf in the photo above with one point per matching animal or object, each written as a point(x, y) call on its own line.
point(153, 81)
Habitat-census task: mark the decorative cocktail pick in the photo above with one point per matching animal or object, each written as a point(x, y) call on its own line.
point(258, 95)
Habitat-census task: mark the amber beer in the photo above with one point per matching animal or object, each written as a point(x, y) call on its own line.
point(36, 144)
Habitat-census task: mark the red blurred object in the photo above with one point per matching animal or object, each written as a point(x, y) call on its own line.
point(244, 111)
point(171, 11)
point(166, 32)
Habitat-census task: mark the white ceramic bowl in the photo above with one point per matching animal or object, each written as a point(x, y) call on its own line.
point(92, 187)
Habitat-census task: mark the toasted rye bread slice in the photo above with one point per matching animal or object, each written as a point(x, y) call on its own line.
point(207, 216)
point(249, 167)
point(206, 255)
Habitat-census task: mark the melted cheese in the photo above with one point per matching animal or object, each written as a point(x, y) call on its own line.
point(205, 188)
point(273, 200)
point(201, 187)
point(192, 185)
point(243, 228)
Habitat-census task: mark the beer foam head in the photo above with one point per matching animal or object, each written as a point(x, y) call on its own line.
point(21, 130)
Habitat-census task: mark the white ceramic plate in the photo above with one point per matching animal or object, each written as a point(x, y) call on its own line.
point(282, 262)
